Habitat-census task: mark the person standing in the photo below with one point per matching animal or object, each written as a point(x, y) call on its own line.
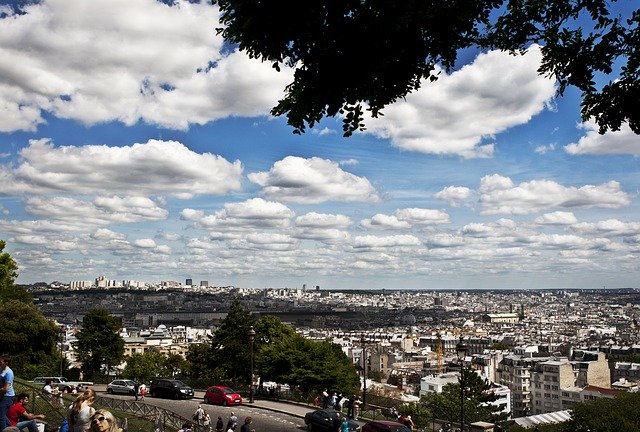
point(136, 388)
point(206, 421)
point(198, 416)
point(143, 390)
point(246, 427)
point(6, 389)
point(233, 422)
point(219, 425)
point(18, 416)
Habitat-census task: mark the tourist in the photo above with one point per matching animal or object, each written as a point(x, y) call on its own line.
point(81, 411)
point(6, 389)
point(17, 414)
point(104, 421)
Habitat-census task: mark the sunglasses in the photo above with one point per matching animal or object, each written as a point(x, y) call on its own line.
point(99, 419)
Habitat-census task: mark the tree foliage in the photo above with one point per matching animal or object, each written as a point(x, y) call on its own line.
point(8, 275)
point(230, 344)
point(620, 414)
point(477, 401)
point(280, 354)
point(356, 53)
point(29, 338)
point(99, 342)
point(25, 333)
point(144, 367)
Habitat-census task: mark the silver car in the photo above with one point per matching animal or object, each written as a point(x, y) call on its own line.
point(122, 386)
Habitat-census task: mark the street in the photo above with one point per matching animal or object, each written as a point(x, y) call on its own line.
point(263, 420)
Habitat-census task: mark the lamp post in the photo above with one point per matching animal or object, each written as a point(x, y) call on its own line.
point(364, 373)
point(461, 352)
point(252, 336)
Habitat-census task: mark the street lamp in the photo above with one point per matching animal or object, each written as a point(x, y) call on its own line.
point(461, 352)
point(252, 336)
point(364, 373)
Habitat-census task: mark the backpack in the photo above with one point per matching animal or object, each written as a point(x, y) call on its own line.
point(64, 427)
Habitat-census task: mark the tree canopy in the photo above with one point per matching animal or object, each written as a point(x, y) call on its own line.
point(99, 342)
point(280, 354)
point(354, 55)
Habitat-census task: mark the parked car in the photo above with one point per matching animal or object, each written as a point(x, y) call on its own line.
point(170, 388)
point(122, 386)
point(326, 420)
point(221, 395)
point(63, 384)
point(384, 426)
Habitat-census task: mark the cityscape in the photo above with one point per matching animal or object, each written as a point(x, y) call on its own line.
point(543, 350)
point(433, 187)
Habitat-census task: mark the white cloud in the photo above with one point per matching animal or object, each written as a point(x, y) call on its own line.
point(557, 218)
point(165, 68)
point(255, 212)
point(156, 167)
point(499, 195)
point(608, 228)
point(455, 114)
point(543, 149)
point(406, 218)
point(313, 181)
point(322, 220)
point(102, 211)
point(623, 141)
point(454, 195)
point(145, 243)
point(370, 241)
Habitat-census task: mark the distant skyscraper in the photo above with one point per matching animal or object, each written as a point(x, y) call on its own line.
point(204, 283)
point(189, 282)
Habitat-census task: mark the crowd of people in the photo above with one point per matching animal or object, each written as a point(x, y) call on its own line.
point(202, 418)
point(339, 402)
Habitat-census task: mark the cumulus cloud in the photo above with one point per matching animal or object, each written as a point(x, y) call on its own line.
point(406, 218)
point(313, 181)
point(155, 167)
point(557, 218)
point(498, 194)
point(456, 114)
point(623, 141)
point(370, 241)
point(145, 243)
point(167, 69)
point(323, 220)
point(102, 211)
point(454, 195)
point(608, 228)
point(255, 212)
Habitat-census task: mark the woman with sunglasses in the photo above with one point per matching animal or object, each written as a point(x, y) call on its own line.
point(104, 421)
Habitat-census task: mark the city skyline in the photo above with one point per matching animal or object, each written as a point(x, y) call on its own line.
point(136, 144)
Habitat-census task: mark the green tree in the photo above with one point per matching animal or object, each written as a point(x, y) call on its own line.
point(230, 344)
point(25, 333)
point(29, 338)
point(285, 356)
point(8, 275)
point(620, 414)
point(99, 342)
point(477, 401)
point(361, 52)
point(144, 367)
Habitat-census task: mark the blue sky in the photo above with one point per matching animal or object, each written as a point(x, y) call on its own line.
point(123, 155)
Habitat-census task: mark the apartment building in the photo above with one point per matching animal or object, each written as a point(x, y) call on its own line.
point(548, 380)
point(514, 371)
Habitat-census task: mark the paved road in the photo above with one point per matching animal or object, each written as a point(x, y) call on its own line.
point(268, 415)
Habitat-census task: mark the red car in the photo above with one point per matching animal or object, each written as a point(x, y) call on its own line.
point(221, 395)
